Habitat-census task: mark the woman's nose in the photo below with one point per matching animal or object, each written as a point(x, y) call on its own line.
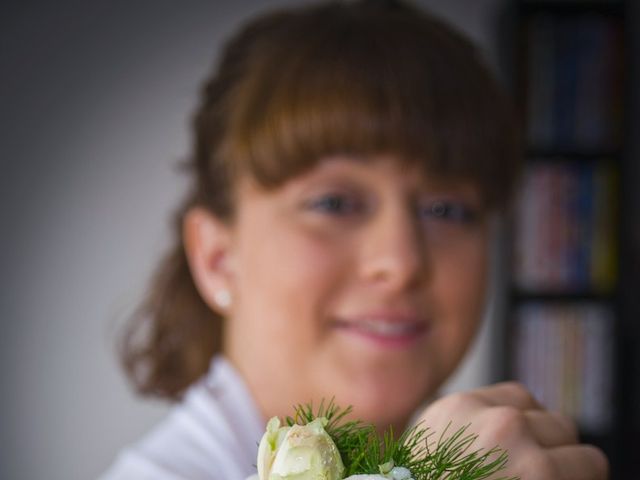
point(393, 253)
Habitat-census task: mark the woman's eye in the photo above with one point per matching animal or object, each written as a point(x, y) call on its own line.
point(335, 204)
point(448, 211)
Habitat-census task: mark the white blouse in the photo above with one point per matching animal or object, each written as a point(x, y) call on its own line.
point(212, 434)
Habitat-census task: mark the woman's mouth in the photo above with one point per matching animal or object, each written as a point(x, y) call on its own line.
point(388, 331)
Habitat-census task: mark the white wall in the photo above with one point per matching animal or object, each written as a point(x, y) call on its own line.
point(95, 99)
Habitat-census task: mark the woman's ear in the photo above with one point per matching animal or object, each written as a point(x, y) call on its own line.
point(207, 244)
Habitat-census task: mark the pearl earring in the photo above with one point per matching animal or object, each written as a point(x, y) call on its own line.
point(222, 298)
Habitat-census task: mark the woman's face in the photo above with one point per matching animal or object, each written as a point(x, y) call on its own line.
point(362, 281)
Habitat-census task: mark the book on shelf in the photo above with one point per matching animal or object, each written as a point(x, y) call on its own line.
point(565, 236)
point(574, 81)
point(563, 354)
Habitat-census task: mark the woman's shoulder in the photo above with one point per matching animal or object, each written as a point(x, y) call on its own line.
point(212, 433)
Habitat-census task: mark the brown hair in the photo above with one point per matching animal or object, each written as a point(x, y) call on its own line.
point(293, 86)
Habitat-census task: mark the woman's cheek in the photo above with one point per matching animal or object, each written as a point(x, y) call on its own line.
point(300, 269)
point(314, 264)
point(460, 283)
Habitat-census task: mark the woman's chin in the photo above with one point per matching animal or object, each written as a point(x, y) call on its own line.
point(384, 408)
point(389, 415)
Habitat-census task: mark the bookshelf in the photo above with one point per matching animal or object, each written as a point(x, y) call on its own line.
point(571, 328)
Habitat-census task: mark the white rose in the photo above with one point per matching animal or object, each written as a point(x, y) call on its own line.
point(300, 452)
point(269, 444)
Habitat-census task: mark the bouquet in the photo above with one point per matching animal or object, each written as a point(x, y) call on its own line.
point(323, 445)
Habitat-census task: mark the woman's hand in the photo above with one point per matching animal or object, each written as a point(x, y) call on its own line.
point(541, 445)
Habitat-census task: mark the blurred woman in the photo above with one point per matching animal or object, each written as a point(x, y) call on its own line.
point(347, 160)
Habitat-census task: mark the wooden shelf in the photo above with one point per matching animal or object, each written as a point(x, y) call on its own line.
point(534, 154)
point(562, 297)
point(569, 7)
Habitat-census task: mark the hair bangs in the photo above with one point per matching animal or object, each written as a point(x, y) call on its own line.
point(360, 87)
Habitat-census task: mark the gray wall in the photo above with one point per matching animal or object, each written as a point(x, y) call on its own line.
point(94, 102)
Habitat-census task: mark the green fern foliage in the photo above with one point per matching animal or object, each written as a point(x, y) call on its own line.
point(363, 451)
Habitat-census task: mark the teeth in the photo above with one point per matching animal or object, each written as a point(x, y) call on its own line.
point(386, 328)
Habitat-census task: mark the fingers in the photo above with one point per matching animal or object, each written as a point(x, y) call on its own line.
point(467, 407)
point(551, 429)
point(539, 427)
point(541, 445)
point(511, 394)
point(579, 462)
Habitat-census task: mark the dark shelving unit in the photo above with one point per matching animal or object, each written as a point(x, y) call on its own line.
point(572, 321)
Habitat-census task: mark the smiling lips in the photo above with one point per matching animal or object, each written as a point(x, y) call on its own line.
point(385, 330)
